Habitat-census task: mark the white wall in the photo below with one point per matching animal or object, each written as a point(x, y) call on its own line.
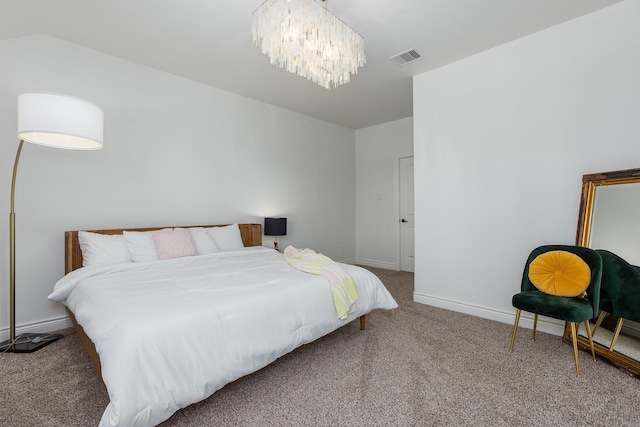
point(502, 140)
point(176, 153)
point(378, 152)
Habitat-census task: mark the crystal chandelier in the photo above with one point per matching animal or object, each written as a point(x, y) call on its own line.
point(306, 39)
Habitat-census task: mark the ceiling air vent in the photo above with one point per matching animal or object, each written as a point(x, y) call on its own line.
point(406, 57)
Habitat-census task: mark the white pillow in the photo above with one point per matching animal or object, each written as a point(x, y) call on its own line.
point(102, 249)
point(226, 238)
point(203, 241)
point(142, 246)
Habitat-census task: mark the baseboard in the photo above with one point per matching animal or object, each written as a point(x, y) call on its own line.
point(545, 324)
point(348, 261)
point(377, 264)
point(38, 327)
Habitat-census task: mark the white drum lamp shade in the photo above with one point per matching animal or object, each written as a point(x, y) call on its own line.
point(60, 121)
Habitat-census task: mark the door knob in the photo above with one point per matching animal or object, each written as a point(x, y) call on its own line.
point(403, 220)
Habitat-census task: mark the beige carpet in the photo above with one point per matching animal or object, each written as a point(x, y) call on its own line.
point(413, 366)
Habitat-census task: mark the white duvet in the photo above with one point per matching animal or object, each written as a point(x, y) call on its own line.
point(171, 333)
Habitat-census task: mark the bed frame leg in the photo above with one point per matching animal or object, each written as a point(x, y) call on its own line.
point(363, 322)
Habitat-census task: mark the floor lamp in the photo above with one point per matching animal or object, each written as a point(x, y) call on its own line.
point(55, 121)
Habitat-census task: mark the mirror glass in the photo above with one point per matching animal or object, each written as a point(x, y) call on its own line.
point(610, 219)
point(615, 221)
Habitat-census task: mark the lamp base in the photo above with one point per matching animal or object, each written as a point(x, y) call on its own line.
point(28, 343)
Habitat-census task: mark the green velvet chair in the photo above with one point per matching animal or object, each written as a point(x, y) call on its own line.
point(574, 310)
point(619, 293)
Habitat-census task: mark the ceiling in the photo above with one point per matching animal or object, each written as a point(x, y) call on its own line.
point(209, 41)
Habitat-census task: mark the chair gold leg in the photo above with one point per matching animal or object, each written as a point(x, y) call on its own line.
point(593, 351)
point(616, 333)
point(535, 326)
point(603, 314)
point(515, 328)
point(575, 347)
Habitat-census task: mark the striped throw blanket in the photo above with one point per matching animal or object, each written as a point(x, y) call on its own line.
point(343, 287)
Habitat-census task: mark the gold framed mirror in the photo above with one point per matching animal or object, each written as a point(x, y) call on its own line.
point(609, 218)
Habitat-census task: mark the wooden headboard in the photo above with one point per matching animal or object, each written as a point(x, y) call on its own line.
point(251, 236)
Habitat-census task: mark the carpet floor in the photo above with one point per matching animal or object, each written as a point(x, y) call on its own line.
point(414, 366)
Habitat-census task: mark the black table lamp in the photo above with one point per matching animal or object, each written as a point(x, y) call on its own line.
point(275, 227)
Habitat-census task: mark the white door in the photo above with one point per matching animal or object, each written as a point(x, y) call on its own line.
point(407, 232)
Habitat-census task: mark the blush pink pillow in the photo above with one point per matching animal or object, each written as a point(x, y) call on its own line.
point(174, 243)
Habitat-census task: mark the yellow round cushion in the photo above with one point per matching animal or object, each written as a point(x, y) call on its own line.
point(560, 273)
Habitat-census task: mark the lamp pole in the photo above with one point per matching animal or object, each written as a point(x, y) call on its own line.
point(12, 251)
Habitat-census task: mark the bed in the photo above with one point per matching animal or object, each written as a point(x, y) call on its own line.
point(169, 331)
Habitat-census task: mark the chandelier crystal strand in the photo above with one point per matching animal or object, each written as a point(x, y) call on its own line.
point(306, 39)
